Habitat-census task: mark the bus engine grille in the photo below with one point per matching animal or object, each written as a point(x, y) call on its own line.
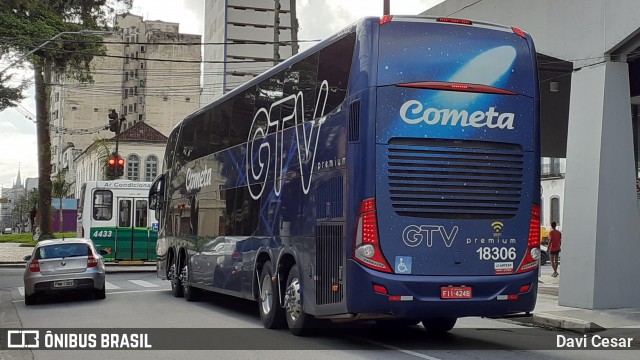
point(329, 264)
point(437, 179)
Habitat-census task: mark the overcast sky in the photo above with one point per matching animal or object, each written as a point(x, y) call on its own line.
point(317, 18)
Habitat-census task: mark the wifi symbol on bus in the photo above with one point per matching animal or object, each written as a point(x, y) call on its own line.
point(497, 226)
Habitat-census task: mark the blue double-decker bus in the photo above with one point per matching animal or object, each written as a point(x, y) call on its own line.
point(390, 172)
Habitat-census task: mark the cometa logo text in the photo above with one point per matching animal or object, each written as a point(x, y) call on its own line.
point(198, 179)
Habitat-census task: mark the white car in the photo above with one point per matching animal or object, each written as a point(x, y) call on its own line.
point(7, 231)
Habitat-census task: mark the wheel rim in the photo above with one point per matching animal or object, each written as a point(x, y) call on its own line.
point(292, 300)
point(183, 279)
point(265, 295)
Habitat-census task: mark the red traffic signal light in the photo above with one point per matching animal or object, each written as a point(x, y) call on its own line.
point(111, 166)
point(120, 167)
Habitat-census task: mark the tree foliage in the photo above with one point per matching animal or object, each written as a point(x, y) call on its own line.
point(28, 25)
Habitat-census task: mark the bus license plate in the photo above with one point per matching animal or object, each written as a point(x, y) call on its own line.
point(63, 283)
point(455, 292)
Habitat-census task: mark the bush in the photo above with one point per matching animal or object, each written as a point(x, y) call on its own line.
point(27, 238)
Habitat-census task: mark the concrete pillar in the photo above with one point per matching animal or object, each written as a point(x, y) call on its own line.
point(601, 235)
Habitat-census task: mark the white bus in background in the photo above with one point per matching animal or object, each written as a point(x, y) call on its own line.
point(115, 215)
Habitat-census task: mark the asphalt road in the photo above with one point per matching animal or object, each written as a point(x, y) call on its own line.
point(140, 300)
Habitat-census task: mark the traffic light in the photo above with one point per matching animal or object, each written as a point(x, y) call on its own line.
point(114, 124)
point(120, 166)
point(116, 166)
point(112, 166)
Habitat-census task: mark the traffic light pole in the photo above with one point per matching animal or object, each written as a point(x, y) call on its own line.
point(115, 123)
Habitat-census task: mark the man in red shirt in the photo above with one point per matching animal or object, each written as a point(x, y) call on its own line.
point(555, 239)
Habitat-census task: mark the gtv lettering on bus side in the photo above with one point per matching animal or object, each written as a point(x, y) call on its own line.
point(413, 112)
point(257, 169)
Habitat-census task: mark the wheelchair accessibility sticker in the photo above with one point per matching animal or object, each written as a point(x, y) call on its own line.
point(403, 265)
point(154, 227)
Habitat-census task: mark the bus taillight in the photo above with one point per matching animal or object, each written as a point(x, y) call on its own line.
point(367, 244)
point(530, 260)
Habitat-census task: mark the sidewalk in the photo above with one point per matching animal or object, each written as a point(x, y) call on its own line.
point(547, 312)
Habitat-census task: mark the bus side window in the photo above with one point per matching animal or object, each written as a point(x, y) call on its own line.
point(125, 213)
point(102, 205)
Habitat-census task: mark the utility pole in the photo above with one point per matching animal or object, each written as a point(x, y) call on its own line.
point(276, 33)
point(386, 9)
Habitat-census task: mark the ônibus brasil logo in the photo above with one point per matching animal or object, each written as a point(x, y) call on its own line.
point(414, 112)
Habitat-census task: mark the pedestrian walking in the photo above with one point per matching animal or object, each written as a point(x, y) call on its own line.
point(555, 240)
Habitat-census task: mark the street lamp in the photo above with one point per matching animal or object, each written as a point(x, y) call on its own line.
point(81, 32)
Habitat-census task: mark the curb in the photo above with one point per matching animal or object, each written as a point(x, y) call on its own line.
point(577, 325)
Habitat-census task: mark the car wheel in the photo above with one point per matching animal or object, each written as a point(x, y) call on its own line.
point(100, 294)
point(300, 323)
point(271, 313)
point(30, 299)
point(189, 292)
point(439, 325)
point(174, 278)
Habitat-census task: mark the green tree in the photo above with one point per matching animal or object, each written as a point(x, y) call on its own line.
point(28, 25)
point(10, 96)
point(60, 190)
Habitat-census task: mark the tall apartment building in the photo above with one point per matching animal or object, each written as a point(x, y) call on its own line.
point(244, 38)
point(150, 74)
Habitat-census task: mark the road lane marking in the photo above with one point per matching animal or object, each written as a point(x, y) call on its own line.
point(404, 351)
point(21, 290)
point(143, 283)
point(110, 286)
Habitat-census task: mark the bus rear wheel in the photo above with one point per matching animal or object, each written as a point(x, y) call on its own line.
point(189, 292)
point(439, 325)
point(300, 323)
point(174, 278)
point(271, 313)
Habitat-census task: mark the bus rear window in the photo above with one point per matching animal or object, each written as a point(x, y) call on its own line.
point(435, 52)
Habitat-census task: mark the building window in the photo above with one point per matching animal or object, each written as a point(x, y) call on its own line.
point(74, 108)
point(141, 65)
point(133, 168)
point(165, 98)
point(142, 48)
point(555, 210)
point(140, 117)
point(57, 96)
point(130, 108)
point(187, 99)
point(151, 168)
point(96, 109)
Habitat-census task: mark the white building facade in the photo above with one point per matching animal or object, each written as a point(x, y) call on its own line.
point(243, 39)
point(150, 74)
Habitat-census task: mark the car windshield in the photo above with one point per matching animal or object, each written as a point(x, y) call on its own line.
point(62, 251)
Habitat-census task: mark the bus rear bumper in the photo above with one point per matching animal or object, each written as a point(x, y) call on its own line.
point(412, 296)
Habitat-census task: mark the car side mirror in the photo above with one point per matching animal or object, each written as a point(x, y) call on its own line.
point(27, 258)
point(103, 252)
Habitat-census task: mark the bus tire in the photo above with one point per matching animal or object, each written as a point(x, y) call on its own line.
point(271, 313)
point(189, 292)
point(439, 325)
point(174, 278)
point(300, 323)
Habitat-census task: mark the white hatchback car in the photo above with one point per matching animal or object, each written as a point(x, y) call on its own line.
point(63, 265)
